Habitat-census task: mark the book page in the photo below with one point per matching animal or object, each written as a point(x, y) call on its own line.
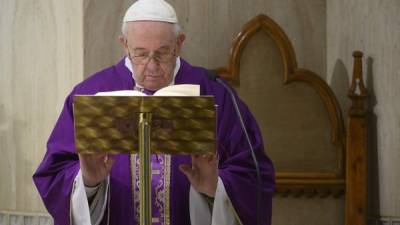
point(173, 90)
point(179, 90)
point(121, 93)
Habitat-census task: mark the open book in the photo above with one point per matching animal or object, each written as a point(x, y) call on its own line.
point(183, 122)
point(173, 90)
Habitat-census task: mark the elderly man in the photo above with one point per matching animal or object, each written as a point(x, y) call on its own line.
point(103, 189)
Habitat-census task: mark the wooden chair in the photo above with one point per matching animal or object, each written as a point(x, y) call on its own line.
point(316, 154)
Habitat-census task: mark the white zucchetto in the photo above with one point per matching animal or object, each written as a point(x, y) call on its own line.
point(151, 10)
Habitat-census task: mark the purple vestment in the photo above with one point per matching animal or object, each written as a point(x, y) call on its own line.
point(55, 175)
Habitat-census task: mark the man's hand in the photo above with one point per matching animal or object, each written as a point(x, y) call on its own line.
point(203, 174)
point(95, 167)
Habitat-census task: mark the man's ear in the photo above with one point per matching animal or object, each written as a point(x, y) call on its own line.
point(181, 38)
point(123, 42)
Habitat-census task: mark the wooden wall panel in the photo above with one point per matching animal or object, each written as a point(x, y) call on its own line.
point(307, 211)
point(293, 118)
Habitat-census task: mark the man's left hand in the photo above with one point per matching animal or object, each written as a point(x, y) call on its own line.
point(203, 174)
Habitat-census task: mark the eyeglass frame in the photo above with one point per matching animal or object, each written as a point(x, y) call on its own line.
point(151, 55)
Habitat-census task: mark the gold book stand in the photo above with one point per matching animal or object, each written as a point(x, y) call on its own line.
point(145, 125)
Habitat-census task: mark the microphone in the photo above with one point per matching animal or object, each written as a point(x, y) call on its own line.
point(214, 77)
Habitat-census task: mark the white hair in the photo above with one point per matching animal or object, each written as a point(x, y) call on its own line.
point(176, 29)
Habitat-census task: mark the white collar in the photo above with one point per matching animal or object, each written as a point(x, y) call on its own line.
point(128, 65)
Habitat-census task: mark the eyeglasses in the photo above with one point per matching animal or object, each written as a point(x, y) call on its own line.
point(141, 58)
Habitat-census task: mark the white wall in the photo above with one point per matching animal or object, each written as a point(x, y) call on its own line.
point(40, 60)
point(372, 26)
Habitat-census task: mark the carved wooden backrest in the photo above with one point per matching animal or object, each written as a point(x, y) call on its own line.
point(297, 111)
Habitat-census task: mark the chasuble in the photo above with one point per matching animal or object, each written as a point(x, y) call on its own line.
point(59, 171)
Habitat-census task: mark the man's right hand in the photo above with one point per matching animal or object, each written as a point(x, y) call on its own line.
point(95, 167)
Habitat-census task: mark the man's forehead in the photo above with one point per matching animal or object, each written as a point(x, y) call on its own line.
point(161, 48)
point(150, 35)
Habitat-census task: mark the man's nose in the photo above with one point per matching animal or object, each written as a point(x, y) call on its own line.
point(152, 63)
